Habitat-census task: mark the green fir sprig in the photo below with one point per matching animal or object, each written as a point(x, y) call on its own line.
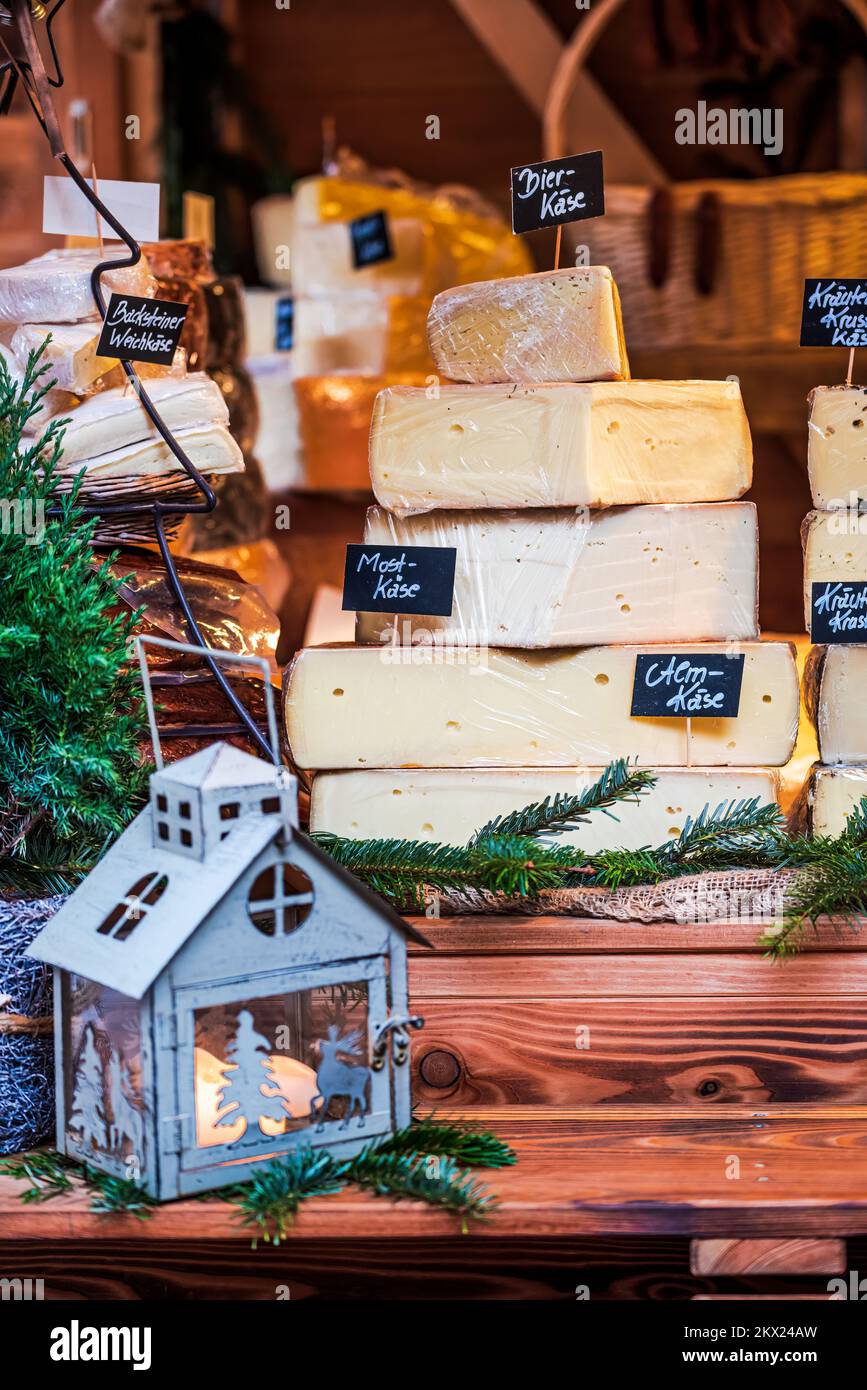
point(620, 781)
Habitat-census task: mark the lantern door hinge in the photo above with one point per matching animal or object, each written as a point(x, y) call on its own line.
point(173, 1134)
point(396, 1027)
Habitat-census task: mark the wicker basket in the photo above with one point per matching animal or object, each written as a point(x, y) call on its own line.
point(719, 262)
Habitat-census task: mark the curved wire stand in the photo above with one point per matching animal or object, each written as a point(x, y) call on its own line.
point(24, 65)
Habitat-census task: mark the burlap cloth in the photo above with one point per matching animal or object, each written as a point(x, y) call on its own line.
point(736, 895)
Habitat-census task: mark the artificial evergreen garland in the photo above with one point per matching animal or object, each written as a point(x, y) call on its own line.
point(70, 772)
point(512, 855)
point(425, 1161)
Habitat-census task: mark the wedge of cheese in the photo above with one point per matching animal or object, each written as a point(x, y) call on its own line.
point(566, 578)
point(835, 553)
point(835, 682)
point(837, 446)
point(210, 448)
point(595, 445)
point(361, 707)
point(834, 793)
point(70, 354)
point(558, 325)
point(55, 288)
point(116, 419)
point(322, 259)
point(451, 805)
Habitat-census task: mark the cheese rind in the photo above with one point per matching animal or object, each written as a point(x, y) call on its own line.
point(835, 552)
point(560, 445)
point(837, 446)
point(450, 806)
point(357, 707)
point(834, 793)
point(565, 578)
point(70, 356)
point(557, 325)
point(55, 288)
point(835, 681)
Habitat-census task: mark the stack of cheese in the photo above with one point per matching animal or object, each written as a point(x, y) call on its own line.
point(591, 517)
point(108, 437)
point(835, 553)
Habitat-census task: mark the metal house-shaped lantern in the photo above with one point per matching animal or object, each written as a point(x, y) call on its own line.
point(223, 990)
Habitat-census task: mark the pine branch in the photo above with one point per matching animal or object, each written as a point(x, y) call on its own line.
point(47, 1172)
point(422, 1177)
point(269, 1201)
point(555, 815)
point(474, 1148)
point(110, 1195)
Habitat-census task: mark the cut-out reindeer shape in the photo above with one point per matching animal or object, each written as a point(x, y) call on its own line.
point(335, 1078)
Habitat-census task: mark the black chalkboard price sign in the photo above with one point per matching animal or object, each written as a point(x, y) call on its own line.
point(557, 191)
point(687, 685)
point(371, 240)
point(838, 611)
point(834, 314)
point(400, 579)
point(141, 330)
point(284, 323)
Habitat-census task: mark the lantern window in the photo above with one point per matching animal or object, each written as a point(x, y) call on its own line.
point(280, 899)
point(126, 915)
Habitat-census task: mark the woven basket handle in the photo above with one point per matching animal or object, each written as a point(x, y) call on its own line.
point(575, 55)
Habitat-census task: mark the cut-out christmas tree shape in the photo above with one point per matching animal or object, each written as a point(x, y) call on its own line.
point(87, 1115)
point(125, 1126)
point(248, 1069)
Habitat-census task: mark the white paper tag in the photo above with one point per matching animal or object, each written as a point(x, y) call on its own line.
point(66, 211)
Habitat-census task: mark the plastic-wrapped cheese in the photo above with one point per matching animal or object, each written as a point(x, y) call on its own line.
point(570, 577)
point(833, 794)
point(70, 355)
point(450, 805)
point(557, 325)
point(322, 261)
point(55, 288)
point(835, 553)
point(366, 707)
point(837, 446)
point(835, 695)
point(595, 444)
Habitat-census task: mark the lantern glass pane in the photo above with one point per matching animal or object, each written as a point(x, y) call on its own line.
point(104, 1104)
point(264, 1066)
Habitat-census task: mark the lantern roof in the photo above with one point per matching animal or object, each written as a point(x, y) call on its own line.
point(218, 767)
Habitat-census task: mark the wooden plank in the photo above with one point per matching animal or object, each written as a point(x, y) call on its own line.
point(767, 1257)
point(642, 976)
point(515, 935)
point(714, 1178)
point(647, 1051)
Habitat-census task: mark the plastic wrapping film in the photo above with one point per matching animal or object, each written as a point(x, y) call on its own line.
point(837, 447)
point(835, 552)
point(363, 707)
point(593, 444)
point(181, 268)
point(573, 576)
point(277, 446)
point(557, 325)
point(55, 287)
point(830, 796)
point(334, 427)
point(835, 682)
point(71, 361)
point(449, 806)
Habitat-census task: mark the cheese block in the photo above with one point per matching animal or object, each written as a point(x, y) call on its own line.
point(210, 448)
point(322, 260)
point(55, 288)
point(359, 707)
point(837, 446)
point(561, 445)
point(835, 552)
point(834, 793)
point(558, 325)
point(835, 682)
point(70, 353)
point(116, 419)
point(449, 806)
point(571, 577)
point(341, 333)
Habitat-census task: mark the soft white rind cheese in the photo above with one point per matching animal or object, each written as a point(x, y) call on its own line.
point(558, 325)
point(55, 288)
point(567, 578)
point(596, 445)
point(357, 707)
point(70, 356)
point(449, 806)
point(837, 446)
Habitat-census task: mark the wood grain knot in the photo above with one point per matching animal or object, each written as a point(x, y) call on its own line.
point(439, 1069)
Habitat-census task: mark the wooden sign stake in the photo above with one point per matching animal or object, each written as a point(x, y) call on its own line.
point(557, 247)
point(688, 741)
point(851, 367)
point(98, 218)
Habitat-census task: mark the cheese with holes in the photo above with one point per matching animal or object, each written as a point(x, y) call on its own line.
point(449, 806)
point(572, 577)
point(835, 553)
point(835, 696)
point(70, 355)
point(835, 792)
point(361, 707)
point(558, 325)
point(55, 287)
point(837, 446)
point(596, 445)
